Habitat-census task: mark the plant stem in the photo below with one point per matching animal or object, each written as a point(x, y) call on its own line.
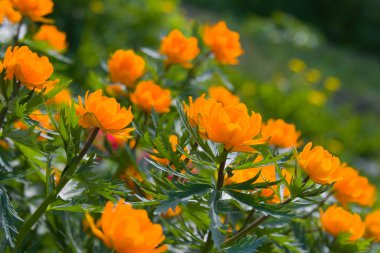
point(220, 180)
point(208, 244)
point(17, 35)
point(3, 113)
point(66, 176)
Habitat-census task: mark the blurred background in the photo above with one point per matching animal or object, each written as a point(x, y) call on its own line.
point(314, 63)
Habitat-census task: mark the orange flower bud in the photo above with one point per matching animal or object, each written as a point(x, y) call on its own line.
point(230, 125)
point(336, 220)
point(280, 133)
point(53, 37)
point(354, 188)
point(179, 49)
point(222, 95)
point(268, 174)
point(372, 223)
point(126, 67)
point(34, 9)
point(173, 139)
point(28, 68)
point(172, 212)
point(127, 230)
point(7, 10)
point(104, 113)
point(319, 164)
point(223, 42)
point(149, 95)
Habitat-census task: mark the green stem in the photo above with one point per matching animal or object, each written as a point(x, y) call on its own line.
point(66, 176)
point(208, 244)
point(17, 35)
point(3, 113)
point(220, 180)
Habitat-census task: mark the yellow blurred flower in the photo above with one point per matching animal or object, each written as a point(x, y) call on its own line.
point(104, 113)
point(28, 68)
point(372, 223)
point(173, 139)
point(316, 97)
point(34, 9)
point(127, 230)
point(296, 65)
point(354, 188)
point(54, 37)
point(179, 49)
point(230, 125)
point(7, 11)
point(97, 6)
point(313, 76)
point(223, 42)
point(222, 95)
point(319, 164)
point(126, 67)
point(332, 83)
point(61, 98)
point(336, 220)
point(149, 95)
point(280, 133)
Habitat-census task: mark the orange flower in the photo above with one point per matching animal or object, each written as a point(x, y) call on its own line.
point(127, 230)
point(372, 223)
point(61, 98)
point(354, 188)
point(230, 125)
point(1, 67)
point(53, 37)
point(268, 174)
point(149, 95)
point(319, 164)
point(42, 119)
point(126, 67)
point(28, 68)
point(336, 220)
point(223, 42)
point(116, 90)
point(179, 49)
point(131, 173)
point(34, 9)
point(7, 10)
point(222, 95)
point(104, 113)
point(173, 139)
point(280, 133)
point(172, 212)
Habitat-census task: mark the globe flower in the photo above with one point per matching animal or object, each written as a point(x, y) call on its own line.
point(230, 125)
point(224, 96)
point(280, 133)
point(149, 95)
point(7, 11)
point(179, 49)
point(126, 67)
point(127, 230)
point(354, 188)
point(336, 220)
point(61, 98)
point(27, 67)
point(116, 90)
point(223, 42)
point(173, 140)
point(34, 9)
point(52, 36)
point(104, 113)
point(372, 223)
point(319, 164)
point(268, 174)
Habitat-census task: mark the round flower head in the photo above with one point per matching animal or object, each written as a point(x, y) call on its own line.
point(268, 174)
point(222, 95)
point(127, 230)
point(354, 188)
point(149, 95)
point(280, 133)
point(104, 113)
point(7, 11)
point(34, 9)
point(126, 67)
point(230, 125)
point(53, 37)
point(319, 164)
point(336, 220)
point(28, 68)
point(179, 49)
point(223, 42)
point(372, 223)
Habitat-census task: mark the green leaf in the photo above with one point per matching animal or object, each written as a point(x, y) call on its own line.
point(265, 162)
point(248, 244)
